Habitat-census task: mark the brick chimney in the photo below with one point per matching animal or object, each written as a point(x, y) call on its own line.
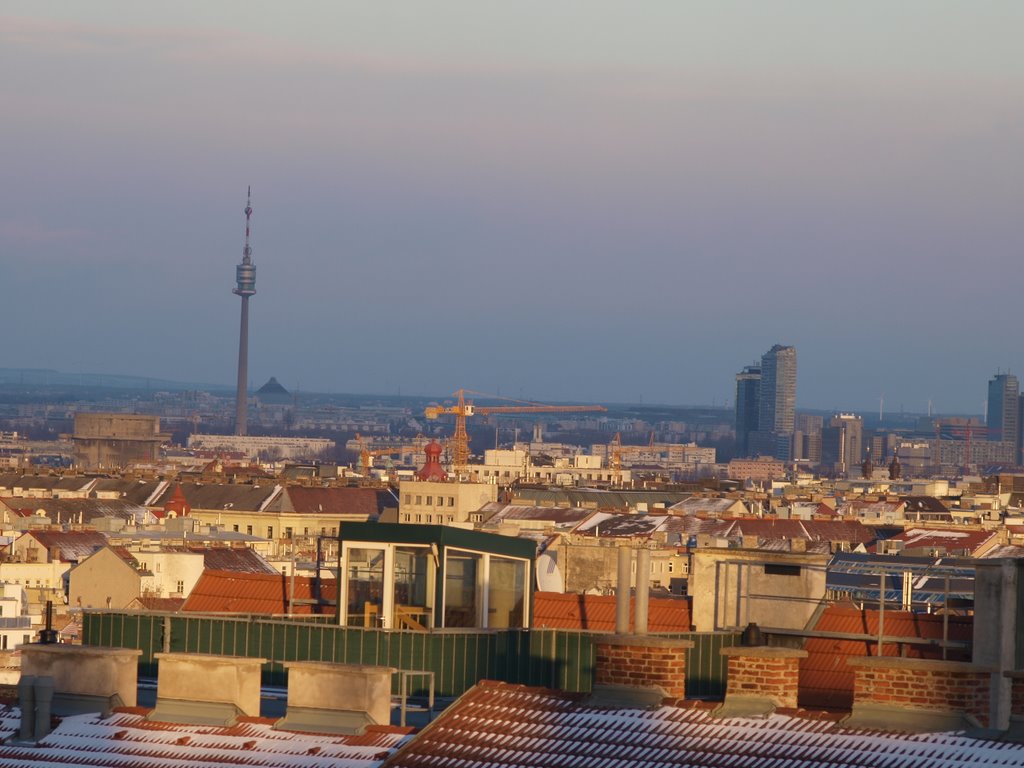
point(202, 689)
point(761, 679)
point(893, 693)
point(654, 664)
point(336, 698)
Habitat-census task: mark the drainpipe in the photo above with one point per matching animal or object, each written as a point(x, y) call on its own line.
point(622, 591)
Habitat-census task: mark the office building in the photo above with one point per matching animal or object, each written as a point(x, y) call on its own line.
point(777, 403)
point(1003, 419)
point(748, 390)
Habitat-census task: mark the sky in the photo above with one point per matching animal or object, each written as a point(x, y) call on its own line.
point(557, 200)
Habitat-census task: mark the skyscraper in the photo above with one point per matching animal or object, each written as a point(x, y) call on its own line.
point(777, 402)
point(748, 389)
point(245, 276)
point(1003, 418)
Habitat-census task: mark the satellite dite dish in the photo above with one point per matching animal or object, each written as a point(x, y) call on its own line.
point(549, 578)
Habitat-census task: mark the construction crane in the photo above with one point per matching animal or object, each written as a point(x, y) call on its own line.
point(615, 458)
point(460, 439)
point(366, 454)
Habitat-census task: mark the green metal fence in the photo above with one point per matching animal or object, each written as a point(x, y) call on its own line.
point(553, 658)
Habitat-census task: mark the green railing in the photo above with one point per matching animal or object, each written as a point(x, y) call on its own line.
point(553, 658)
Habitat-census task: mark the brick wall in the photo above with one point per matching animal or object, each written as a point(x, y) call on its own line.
point(642, 661)
point(766, 672)
point(937, 686)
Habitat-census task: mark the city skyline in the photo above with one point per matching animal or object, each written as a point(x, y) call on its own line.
point(571, 203)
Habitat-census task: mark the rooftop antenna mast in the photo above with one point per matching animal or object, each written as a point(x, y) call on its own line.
point(245, 277)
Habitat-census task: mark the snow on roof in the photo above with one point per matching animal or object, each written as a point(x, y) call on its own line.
point(127, 740)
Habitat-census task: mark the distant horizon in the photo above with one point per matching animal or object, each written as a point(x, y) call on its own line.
point(229, 389)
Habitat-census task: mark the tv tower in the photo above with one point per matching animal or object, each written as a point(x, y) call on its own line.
point(245, 276)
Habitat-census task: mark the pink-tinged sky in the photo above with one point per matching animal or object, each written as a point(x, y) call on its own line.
point(573, 200)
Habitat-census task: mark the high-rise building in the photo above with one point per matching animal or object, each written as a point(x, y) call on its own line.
point(842, 445)
point(1003, 420)
point(748, 389)
point(777, 402)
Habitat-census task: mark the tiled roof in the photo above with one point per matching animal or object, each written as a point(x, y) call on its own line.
point(363, 503)
point(73, 546)
point(238, 559)
point(127, 740)
point(597, 612)
point(701, 504)
point(812, 530)
point(165, 604)
point(62, 511)
point(825, 679)
point(560, 517)
point(249, 498)
point(262, 593)
point(622, 526)
point(497, 724)
point(951, 540)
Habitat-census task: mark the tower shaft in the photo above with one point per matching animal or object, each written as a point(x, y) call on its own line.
point(245, 278)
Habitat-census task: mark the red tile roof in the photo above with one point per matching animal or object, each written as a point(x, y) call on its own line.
point(126, 739)
point(262, 593)
point(497, 724)
point(597, 612)
point(825, 679)
point(365, 503)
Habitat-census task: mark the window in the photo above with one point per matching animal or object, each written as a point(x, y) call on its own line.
point(775, 569)
point(451, 501)
point(419, 518)
point(248, 530)
point(671, 566)
point(288, 533)
point(430, 501)
point(270, 531)
point(506, 592)
point(180, 587)
point(234, 528)
point(408, 498)
point(419, 500)
point(305, 531)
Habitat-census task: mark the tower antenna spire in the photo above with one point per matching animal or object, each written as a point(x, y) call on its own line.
point(245, 279)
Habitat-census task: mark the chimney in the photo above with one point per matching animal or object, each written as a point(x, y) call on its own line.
point(85, 679)
point(895, 693)
point(761, 679)
point(639, 668)
point(202, 689)
point(336, 698)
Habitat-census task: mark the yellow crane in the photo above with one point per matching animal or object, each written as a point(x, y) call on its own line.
point(366, 453)
point(463, 408)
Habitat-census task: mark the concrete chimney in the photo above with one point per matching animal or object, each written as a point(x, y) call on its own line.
point(336, 698)
point(85, 679)
point(202, 689)
point(622, 582)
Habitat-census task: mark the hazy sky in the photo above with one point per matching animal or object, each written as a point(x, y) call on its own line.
point(565, 200)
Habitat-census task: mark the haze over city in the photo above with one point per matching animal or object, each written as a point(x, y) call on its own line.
point(570, 201)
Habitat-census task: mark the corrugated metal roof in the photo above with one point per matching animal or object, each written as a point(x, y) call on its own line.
point(825, 679)
point(496, 724)
point(127, 740)
point(597, 612)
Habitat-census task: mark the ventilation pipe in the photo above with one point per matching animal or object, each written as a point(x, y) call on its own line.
point(27, 704)
point(643, 589)
point(622, 591)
